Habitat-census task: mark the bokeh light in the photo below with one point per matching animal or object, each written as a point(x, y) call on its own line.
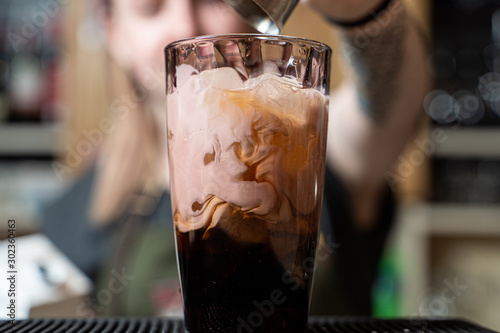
point(489, 89)
point(469, 108)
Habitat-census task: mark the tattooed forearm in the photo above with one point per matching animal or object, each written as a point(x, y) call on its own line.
point(376, 51)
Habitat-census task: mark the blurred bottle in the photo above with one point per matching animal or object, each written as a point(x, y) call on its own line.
point(4, 72)
point(267, 16)
point(466, 58)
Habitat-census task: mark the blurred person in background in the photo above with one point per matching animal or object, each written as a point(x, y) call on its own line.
point(115, 220)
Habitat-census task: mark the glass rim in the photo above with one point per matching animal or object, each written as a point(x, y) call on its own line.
point(270, 37)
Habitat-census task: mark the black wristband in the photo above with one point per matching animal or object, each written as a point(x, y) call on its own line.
point(373, 14)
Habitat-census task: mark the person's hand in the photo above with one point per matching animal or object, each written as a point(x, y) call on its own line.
point(343, 10)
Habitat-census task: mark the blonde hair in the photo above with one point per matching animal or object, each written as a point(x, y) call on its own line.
point(130, 158)
point(127, 158)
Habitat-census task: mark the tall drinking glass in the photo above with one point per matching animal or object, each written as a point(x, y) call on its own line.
point(246, 123)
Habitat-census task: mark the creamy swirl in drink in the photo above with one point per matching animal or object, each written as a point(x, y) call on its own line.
point(246, 160)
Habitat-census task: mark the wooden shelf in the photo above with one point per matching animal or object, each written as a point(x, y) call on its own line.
point(417, 223)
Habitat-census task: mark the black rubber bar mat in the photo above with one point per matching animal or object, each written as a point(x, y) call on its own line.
point(163, 325)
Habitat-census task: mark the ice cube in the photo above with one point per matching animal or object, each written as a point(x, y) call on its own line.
point(284, 97)
point(184, 72)
point(224, 78)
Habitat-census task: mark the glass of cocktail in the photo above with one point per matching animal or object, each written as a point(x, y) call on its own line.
point(246, 124)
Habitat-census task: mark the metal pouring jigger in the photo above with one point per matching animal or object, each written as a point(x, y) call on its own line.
point(267, 16)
